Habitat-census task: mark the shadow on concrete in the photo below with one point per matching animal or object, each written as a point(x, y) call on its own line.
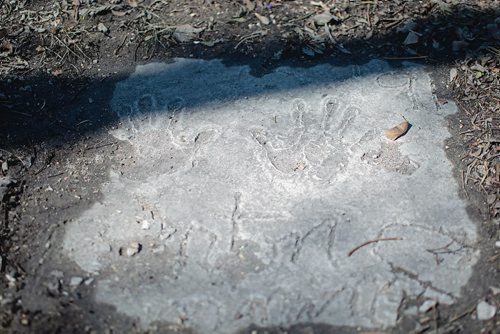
point(37, 109)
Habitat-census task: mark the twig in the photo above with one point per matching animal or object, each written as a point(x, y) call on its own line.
point(80, 123)
point(404, 58)
point(43, 106)
point(137, 48)
point(421, 330)
point(69, 49)
point(117, 50)
point(467, 131)
point(18, 112)
point(463, 184)
point(435, 317)
point(463, 314)
point(298, 19)
point(368, 16)
point(100, 145)
point(352, 251)
point(252, 35)
point(103, 145)
point(395, 23)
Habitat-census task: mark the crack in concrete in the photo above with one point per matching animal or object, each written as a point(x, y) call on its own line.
point(328, 301)
point(331, 241)
point(299, 242)
point(182, 254)
point(234, 219)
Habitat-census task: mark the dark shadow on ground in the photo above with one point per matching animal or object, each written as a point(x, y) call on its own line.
point(37, 108)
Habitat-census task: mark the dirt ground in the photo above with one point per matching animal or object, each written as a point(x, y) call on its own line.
point(60, 59)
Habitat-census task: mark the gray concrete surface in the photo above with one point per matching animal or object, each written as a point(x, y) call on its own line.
point(240, 198)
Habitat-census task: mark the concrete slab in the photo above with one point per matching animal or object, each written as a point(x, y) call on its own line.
point(242, 197)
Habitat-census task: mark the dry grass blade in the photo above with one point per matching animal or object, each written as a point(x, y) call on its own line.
point(352, 251)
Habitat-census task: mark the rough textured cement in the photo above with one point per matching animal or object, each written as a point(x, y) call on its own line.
point(246, 195)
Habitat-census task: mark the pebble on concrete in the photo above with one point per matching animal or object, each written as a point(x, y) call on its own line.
point(485, 311)
point(75, 281)
point(133, 249)
point(145, 225)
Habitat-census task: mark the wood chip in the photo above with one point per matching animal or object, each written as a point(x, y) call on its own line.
point(263, 19)
point(397, 131)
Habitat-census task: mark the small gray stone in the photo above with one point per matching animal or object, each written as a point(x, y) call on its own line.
point(145, 225)
point(75, 281)
point(494, 290)
point(88, 281)
point(411, 38)
point(485, 311)
point(411, 311)
point(133, 249)
point(102, 28)
point(4, 183)
point(10, 278)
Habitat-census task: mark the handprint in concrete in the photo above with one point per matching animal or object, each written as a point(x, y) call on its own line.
point(284, 148)
point(315, 142)
point(328, 154)
point(161, 135)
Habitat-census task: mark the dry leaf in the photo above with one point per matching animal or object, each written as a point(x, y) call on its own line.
point(185, 32)
point(211, 42)
point(263, 19)
point(132, 3)
point(118, 13)
point(323, 18)
point(249, 4)
point(411, 38)
point(95, 10)
point(491, 198)
point(6, 48)
point(76, 6)
point(397, 131)
point(57, 72)
point(453, 74)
